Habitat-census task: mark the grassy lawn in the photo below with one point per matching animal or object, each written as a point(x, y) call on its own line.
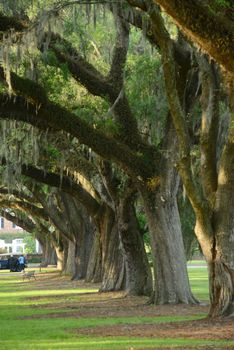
point(21, 327)
point(199, 282)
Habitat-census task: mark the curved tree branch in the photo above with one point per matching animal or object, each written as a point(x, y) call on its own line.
point(211, 32)
point(26, 223)
point(58, 118)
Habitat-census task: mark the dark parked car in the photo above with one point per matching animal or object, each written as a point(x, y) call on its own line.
point(4, 264)
point(11, 264)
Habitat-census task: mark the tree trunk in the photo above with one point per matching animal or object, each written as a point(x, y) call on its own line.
point(138, 272)
point(113, 266)
point(48, 257)
point(70, 268)
point(221, 268)
point(61, 249)
point(94, 267)
point(160, 201)
point(169, 261)
point(81, 229)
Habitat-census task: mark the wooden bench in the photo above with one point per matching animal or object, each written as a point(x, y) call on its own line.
point(29, 275)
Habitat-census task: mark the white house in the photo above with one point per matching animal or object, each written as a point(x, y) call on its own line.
point(15, 247)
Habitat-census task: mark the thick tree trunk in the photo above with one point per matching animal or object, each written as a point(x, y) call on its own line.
point(138, 272)
point(81, 229)
point(49, 256)
point(169, 261)
point(94, 267)
point(221, 282)
point(61, 249)
point(70, 268)
point(113, 266)
point(170, 270)
point(221, 267)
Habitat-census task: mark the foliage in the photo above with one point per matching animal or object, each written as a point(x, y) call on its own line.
point(9, 236)
point(30, 247)
point(223, 3)
point(147, 98)
point(141, 217)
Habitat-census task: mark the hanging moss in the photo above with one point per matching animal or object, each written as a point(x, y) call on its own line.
point(10, 22)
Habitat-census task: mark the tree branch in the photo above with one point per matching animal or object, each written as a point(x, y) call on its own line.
point(210, 31)
point(209, 128)
point(106, 87)
point(26, 223)
point(58, 118)
point(10, 22)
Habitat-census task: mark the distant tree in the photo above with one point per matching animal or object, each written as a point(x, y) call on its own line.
point(30, 247)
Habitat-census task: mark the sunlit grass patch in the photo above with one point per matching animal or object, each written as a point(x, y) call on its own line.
point(198, 278)
point(115, 343)
point(28, 321)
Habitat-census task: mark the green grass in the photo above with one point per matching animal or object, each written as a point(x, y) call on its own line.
point(197, 262)
point(199, 282)
point(63, 333)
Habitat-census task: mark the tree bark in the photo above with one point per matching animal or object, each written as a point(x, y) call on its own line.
point(212, 31)
point(61, 249)
point(222, 265)
point(81, 229)
point(170, 271)
point(70, 268)
point(160, 201)
point(94, 266)
point(138, 272)
point(48, 253)
point(113, 265)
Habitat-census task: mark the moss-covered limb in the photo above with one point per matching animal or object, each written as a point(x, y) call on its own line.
point(28, 208)
point(55, 117)
point(108, 88)
point(79, 176)
point(210, 127)
point(81, 70)
point(209, 30)
point(27, 88)
point(20, 220)
point(52, 179)
point(138, 21)
point(44, 114)
point(119, 56)
point(65, 184)
point(16, 193)
point(83, 165)
point(146, 23)
point(54, 211)
point(10, 22)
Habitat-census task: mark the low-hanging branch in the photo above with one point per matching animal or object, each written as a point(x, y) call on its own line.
point(28, 208)
point(50, 115)
point(22, 221)
point(64, 183)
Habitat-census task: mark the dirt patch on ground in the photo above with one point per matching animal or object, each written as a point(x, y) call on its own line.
point(117, 304)
point(200, 329)
point(113, 304)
